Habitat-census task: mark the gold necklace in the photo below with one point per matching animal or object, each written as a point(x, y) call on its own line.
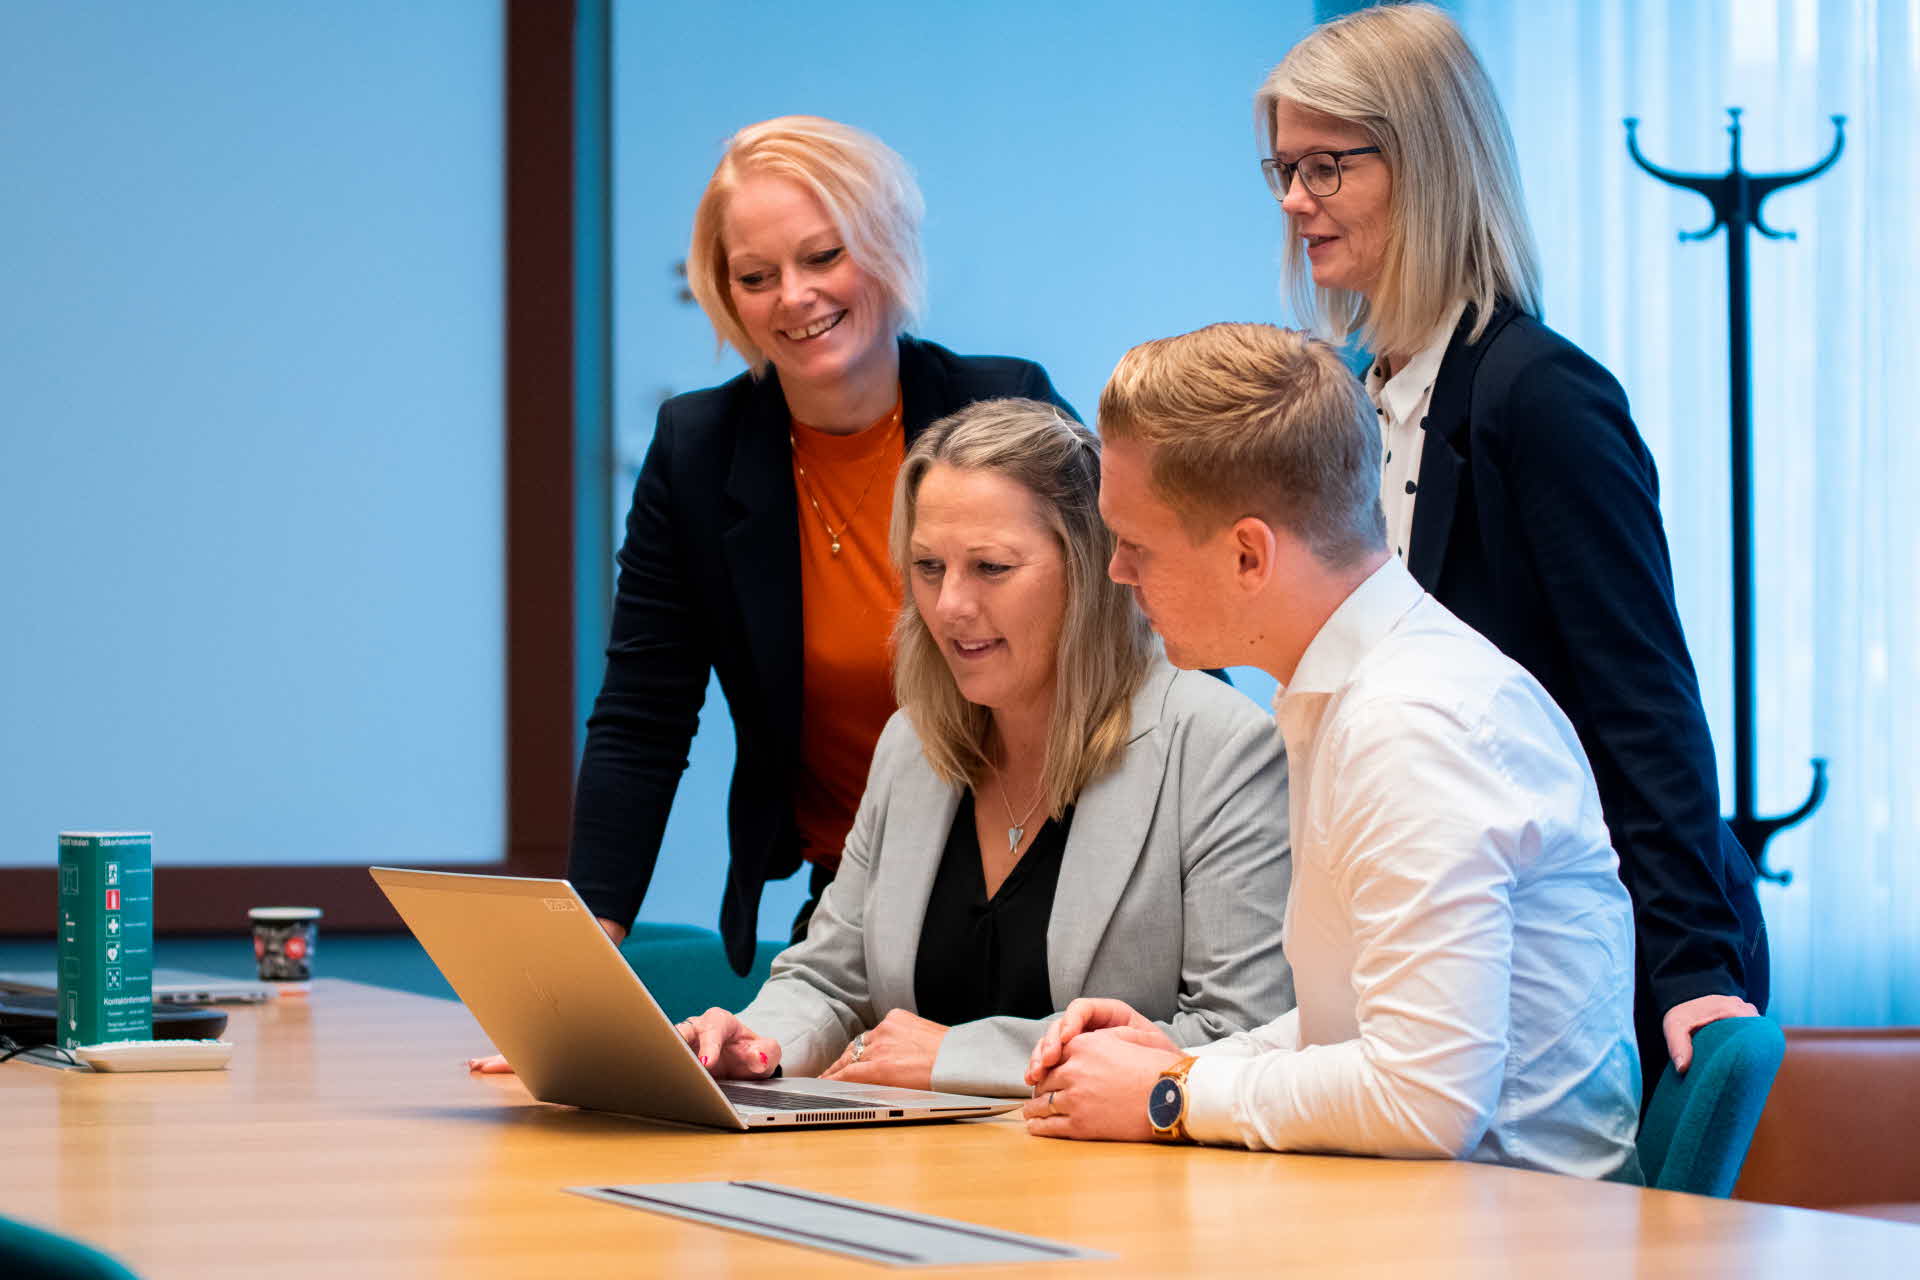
point(806, 486)
point(1017, 827)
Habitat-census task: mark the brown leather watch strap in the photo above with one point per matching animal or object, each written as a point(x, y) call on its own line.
point(1177, 1131)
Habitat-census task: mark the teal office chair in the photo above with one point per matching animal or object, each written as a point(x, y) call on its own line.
point(1696, 1131)
point(686, 969)
point(28, 1253)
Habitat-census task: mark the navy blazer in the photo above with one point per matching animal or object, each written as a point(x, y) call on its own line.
point(709, 579)
point(1537, 521)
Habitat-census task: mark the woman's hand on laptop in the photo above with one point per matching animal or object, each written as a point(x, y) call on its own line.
point(899, 1053)
point(724, 1045)
point(728, 1047)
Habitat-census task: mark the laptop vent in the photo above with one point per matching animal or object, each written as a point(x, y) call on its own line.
point(833, 1117)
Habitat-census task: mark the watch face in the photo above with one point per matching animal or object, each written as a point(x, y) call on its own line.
point(1164, 1103)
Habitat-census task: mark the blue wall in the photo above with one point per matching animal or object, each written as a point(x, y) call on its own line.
point(1091, 181)
point(250, 433)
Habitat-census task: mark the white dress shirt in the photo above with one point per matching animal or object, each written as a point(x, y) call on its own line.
point(1462, 946)
point(1401, 404)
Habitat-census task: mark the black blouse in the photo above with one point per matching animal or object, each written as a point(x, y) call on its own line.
point(981, 957)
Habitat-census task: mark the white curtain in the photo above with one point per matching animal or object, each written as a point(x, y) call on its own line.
point(1836, 358)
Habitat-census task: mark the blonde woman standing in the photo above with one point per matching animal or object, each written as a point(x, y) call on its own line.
point(756, 544)
point(1516, 488)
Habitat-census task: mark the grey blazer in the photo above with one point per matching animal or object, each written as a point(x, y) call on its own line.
point(1172, 891)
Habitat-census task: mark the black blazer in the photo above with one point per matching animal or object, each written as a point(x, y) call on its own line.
point(1538, 522)
point(709, 579)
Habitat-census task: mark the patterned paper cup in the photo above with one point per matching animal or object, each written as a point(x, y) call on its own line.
point(283, 939)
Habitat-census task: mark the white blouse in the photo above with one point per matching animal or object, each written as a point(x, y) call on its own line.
point(1402, 402)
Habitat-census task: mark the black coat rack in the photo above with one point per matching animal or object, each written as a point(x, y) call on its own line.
point(1736, 197)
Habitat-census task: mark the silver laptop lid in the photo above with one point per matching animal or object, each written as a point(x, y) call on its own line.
point(511, 947)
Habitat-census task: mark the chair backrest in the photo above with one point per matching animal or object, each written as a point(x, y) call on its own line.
point(1836, 1131)
point(686, 968)
point(1696, 1131)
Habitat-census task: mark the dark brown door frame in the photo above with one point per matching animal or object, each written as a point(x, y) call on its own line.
point(539, 324)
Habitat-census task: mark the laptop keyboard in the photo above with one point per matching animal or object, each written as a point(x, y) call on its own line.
point(747, 1095)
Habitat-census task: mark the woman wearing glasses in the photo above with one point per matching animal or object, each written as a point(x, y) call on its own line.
point(1515, 484)
point(756, 545)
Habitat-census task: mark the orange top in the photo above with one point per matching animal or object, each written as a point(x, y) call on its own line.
point(848, 595)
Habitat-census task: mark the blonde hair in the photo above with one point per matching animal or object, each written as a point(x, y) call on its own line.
point(1405, 75)
point(1105, 643)
point(866, 189)
point(1254, 420)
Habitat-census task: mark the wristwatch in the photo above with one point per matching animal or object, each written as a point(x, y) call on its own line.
point(1167, 1103)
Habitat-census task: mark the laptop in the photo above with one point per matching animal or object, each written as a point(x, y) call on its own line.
point(170, 986)
point(556, 997)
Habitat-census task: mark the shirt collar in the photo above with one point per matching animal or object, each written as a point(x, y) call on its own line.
point(1401, 394)
point(1350, 633)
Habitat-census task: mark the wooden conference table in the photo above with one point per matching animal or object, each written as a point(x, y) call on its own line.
point(347, 1140)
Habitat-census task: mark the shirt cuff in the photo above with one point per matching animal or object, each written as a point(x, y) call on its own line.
point(1282, 1033)
point(1668, 992)
point(1238, 1045)
point(1211, 1085)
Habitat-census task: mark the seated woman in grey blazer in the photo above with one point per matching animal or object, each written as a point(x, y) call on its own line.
point(1054, 811)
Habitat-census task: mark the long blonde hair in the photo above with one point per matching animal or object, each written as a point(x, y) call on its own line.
point(1405, 75)
point(1105, 643)
point(866, 189)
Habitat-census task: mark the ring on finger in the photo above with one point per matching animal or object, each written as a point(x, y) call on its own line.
point(1052, 1110)
point(859, 1047)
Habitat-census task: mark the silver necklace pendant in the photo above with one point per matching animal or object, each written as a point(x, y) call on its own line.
point(1014, 835)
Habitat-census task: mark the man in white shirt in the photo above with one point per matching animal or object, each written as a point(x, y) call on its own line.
point(1461, 943)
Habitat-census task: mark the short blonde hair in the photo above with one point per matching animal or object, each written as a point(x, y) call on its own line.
point(1254, 420)
point(1405, 75)
point(1105, 643)
point(867, 191)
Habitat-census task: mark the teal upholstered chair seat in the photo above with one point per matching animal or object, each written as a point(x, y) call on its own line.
point(685, 967)
point(28, 1253)
point(1696, 1131)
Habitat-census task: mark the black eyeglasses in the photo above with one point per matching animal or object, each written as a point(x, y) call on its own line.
point(1319, 171)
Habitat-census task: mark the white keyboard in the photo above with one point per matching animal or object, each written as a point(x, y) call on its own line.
point(156, 1055)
